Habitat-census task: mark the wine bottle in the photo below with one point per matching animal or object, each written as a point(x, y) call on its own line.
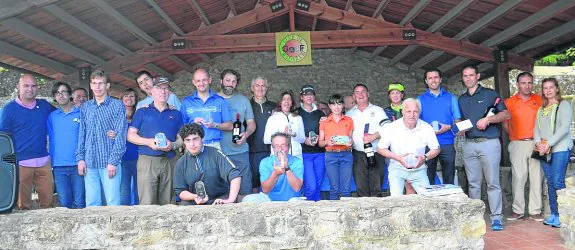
point(368, 148)
point(490, 111)
point(237, 129)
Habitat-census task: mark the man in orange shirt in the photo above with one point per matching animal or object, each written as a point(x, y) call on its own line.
point(523, 108)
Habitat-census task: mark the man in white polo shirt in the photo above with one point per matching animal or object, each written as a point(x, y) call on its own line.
point(404, 142)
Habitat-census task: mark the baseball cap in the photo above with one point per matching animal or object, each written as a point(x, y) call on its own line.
point(306, 89)
point(395, 86)
point(161, 80)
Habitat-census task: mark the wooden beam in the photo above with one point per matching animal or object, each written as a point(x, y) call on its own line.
point(232, 7)
point(348, 4)
point(412, 14)
point(339, 39)
point(175, 28)
point(127, 24)
point(406, 20)
point(86, 29)
point(291, 17)
point(314, 24)
point(25, 71)
point(158, 70)
point(377, 51)
point(444, 20)
point(45, 38)
point(186, 66)
point(335, 15)
point(471, 29)
point(380, 8)
point(529, 22)
point(268, 28)
point(12, 8)
point(33, 58)
point(549, 36)
point(200, 12)
point(246, 19)
point(206, 58)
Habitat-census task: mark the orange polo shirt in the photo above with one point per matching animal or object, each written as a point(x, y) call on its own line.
point(332, 128)
point(523, 115)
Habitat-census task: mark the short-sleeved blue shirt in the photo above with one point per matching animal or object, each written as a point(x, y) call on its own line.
point(442, 108)
point(150, 121)
point(282, 190)
point(63, 131)
point(473, 108)
point(215, 107)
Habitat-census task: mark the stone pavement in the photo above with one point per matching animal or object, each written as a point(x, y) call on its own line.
point(524, 234)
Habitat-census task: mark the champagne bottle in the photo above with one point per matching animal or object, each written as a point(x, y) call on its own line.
point(237, 129)
point(368, 148)
point(490, 111)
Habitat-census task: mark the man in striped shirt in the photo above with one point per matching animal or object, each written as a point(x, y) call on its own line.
point(99, 156)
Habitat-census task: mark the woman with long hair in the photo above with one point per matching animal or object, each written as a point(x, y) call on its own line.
point(553, 140)
point(128, 189)
point(286, 119)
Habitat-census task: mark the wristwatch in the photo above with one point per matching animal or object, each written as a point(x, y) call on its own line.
point(425, 155)
point(287, 168)
point(174, 146)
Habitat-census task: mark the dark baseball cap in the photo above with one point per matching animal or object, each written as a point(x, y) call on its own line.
point(161, 80)
point(306, 89)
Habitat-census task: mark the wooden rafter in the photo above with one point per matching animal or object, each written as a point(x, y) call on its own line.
point(175, 28)
point(549, 36)
point(186, 66)
point(158, 70)
point(471, 29)
point(246, 19)
point(200, 12)
point(338, 39)
point(86, 29)
point(45, 38)
point(444, 20)
point(537, 18)
point(129, 26)
point(33, 58)
point(17, 7)
point(380, 8)
point(232, 7)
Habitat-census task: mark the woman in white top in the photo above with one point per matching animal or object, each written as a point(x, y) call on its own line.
point(286, 119)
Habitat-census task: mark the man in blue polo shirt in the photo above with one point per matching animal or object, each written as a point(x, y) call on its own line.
point(482, 150)
point(206, 108)
point(63, 127)
point(440, 109)
point(156, 162)
point(25, 118)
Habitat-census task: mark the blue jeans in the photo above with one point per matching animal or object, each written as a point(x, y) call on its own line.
point(339, 168)
point(555, 175)
point(447, 159)
point(129, 177)
point(313, 168)
point(97, 180)
point(70, 187)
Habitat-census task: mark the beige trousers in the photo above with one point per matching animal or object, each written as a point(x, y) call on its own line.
point(523, 167)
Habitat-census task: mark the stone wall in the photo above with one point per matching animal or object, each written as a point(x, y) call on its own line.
point(411, 222)
point(334, 71)
point(566, 200)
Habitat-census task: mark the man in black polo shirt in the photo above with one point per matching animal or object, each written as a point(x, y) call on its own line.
point(263, 109)
point(482, 150)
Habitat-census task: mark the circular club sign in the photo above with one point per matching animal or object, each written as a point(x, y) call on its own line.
point(293, 48)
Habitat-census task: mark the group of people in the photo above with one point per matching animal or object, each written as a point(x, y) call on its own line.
point(218, 148)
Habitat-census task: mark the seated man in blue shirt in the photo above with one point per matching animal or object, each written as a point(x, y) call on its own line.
point(281, 174)
point(208, 165)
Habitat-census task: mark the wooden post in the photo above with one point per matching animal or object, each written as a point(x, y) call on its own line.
point(292, 17)
point(502, 87)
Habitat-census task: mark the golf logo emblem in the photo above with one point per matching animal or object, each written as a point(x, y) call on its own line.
point(293, 48)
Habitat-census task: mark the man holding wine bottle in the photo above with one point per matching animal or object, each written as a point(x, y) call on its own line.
point(234, 143)
point(367, 164)
point(482, 149)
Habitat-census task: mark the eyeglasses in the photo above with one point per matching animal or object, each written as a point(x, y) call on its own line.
point(280, 147)
point(62, 93)
point(165, 89)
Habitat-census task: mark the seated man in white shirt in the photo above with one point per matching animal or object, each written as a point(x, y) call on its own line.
point(404, 142)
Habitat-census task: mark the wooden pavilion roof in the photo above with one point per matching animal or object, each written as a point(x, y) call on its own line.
point(55, 38)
